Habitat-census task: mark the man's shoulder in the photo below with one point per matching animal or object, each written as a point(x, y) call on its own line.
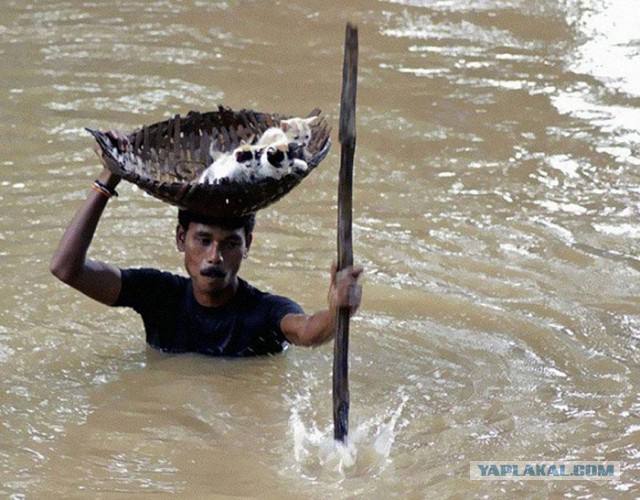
point(151, 273)
point(251, 294)
point(148, 285)
point(248, 291)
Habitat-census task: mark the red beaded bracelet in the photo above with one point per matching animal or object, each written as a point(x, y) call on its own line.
point(103, 189)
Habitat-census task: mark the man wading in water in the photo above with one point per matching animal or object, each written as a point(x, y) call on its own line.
point(213, 311)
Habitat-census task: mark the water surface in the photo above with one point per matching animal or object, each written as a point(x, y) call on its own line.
point(495, 210)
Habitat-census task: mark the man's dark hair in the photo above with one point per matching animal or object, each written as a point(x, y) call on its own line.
point(246, 222)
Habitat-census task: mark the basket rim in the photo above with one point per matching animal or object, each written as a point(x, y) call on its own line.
point(227, 198)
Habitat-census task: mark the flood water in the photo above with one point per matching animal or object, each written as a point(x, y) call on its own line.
point(495, 210)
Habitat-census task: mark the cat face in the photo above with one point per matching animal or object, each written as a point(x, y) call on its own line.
point(247, 161)
point(280, 159)
point(298, 130)
point(277, 156)
point(274, 161)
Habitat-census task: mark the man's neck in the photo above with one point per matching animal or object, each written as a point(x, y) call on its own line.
point(219, 297)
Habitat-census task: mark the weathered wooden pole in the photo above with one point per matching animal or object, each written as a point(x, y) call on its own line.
point(347, 137)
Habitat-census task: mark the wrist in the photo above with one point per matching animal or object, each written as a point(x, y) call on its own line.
point(103, 189)
point(108, 179)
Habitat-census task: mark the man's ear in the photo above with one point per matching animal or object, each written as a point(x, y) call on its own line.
point(181, 235)
point(248, 241)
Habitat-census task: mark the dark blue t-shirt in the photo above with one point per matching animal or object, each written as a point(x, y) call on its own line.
point(248, 325)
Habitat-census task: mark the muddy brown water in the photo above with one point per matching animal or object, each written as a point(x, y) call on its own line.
point(495, 210)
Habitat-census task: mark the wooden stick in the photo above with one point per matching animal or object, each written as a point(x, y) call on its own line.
point(347, 137)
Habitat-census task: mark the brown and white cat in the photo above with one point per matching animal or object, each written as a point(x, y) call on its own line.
point(296, 130)
point(278, 160)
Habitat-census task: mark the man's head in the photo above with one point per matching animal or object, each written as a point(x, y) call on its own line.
point(246, 222)
point(214, 248)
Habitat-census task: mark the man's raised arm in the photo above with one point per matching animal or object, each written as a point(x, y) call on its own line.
point(98, 280)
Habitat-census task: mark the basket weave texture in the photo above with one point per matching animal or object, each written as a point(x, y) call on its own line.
point(167, 158)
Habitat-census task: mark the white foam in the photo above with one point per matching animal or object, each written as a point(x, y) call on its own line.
point(366, 450)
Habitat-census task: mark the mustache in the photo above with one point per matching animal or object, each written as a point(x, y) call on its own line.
point(213, 272)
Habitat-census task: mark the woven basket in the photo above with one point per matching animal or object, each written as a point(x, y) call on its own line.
point(166, 160)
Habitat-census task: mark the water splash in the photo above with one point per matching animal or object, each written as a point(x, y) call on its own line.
point(366, 451)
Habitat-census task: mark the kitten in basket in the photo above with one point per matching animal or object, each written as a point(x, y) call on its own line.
point(296, 130)
point(250, 163)
point(279, 151)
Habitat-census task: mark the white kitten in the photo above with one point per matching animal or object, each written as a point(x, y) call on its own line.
point(239, 165)
point(273, 135)
point(278, 152)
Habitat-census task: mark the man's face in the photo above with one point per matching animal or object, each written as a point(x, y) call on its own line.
point(212, 256)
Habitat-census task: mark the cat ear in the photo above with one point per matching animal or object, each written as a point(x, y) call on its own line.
point(310, 120)
point(285, 125)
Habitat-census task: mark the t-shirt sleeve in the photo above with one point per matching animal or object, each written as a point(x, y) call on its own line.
point(144, 288)
point(279, 308)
